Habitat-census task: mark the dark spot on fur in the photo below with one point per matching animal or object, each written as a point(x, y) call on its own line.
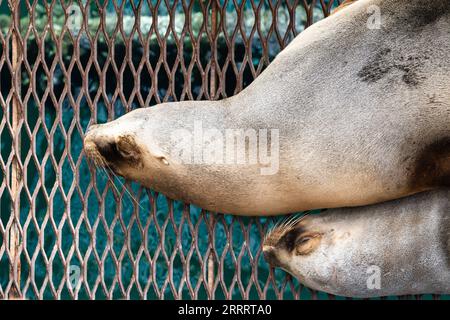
point(432, 167)
point(432, 99)
point(410, 77)
point(428, 13)
point(385, 62)
point(376, 68)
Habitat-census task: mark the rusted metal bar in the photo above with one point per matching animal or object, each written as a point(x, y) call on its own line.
point(16, 174)
point(212, 94)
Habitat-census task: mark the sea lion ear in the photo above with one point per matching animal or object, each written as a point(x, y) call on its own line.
point(127, 147)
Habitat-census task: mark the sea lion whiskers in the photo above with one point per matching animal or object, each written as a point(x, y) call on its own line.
point(122, 185)
point(280, 228)
point(108, 170)
point(293, 220)
point(103, 169)
point(275, 226)
point(282, 224)
point(99, 163)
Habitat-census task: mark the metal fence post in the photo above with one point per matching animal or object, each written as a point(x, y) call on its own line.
point(212, 94)
point(16, 174)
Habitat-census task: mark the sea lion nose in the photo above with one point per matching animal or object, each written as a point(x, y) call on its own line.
point(97, 143)
point(88, 142)
point(107, 149)
point(270, 256)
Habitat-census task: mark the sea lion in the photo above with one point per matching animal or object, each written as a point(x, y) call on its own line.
point(351, 115)
point(399, 247)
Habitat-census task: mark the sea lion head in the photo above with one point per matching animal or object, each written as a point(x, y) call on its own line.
point(312, 250)
point(149, 146)
point(296, 248)
point(125, 147)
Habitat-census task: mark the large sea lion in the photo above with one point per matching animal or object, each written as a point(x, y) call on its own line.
point(398, 247)
point(352, 116)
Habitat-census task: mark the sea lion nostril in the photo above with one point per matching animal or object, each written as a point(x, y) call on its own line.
point(107, 149)
point(270, 256)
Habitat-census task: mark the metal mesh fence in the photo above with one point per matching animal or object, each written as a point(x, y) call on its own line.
point(68, 232)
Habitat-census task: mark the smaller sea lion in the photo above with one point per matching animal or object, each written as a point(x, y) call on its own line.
point(399, 247)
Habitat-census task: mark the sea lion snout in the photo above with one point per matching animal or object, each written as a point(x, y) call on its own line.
point(90, 147)
point(270, 256)
point(101, 149)
point(110, 150)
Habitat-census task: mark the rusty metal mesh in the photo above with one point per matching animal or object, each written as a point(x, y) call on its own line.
point(58, 216)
